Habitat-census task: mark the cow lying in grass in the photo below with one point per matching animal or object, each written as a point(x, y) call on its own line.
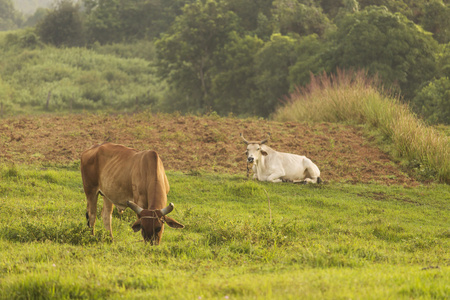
point(273, 166)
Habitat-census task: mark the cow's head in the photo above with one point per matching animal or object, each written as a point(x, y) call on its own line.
point(254, 150)
point(151, 222)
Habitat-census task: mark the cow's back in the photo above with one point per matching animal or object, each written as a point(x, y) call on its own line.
point(125, 174)
point(299, 167)
point(150, 178)
point(106, 167)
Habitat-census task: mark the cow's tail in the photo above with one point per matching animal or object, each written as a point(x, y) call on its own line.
point(319, 180)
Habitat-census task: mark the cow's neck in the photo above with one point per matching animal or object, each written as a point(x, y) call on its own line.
point(260, 165)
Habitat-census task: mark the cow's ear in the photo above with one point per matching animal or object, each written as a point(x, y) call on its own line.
point(172, 223)
point(136, 225)
point(264, 153)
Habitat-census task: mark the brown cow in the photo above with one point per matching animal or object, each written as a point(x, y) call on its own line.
point(126, 177)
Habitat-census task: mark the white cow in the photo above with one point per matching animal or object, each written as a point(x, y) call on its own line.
point(270, 165)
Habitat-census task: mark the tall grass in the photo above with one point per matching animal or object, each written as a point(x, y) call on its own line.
point(353, 97)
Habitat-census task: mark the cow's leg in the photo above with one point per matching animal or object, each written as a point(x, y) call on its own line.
point(107, 214)
point(311, 177)
point(91, 209)
point(299, 181)
point(275, 177)
point(255, 172)
point(313, 180)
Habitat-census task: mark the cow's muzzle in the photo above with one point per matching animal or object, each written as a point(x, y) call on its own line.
point(250, 159)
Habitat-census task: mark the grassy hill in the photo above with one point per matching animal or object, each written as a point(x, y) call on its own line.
point(371, 231)
point(354, 98)
point(199, 144)
point(37, 79)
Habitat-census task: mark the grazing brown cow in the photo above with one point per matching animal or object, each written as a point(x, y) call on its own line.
point(126, 177)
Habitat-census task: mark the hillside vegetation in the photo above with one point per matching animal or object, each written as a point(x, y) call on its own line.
point(354, 99)
point(199, 144)
point(230, 56)
point(75, 79)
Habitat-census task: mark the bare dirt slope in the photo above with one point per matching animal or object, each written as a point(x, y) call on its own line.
point(192, 144)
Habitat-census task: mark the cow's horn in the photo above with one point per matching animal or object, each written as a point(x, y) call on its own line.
point(137, 209)
point(245, 141)
point(167, 210)
point(265, 141)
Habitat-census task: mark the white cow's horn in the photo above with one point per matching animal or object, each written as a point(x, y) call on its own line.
point(137, 209)
point(265, 141)
point(167, 210)
point(245, 141)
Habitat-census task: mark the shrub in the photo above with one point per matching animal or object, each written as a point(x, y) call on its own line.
point(354, 98)
point(63, 26)
point(76, 78)
point(433, 101)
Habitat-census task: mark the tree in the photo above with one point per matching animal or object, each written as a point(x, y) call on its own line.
point(233, 83)
point(189, 52)
point(114, 21)
point(308, 60)
point(9, 17)
point(386, 44)
point(272, 65)
point(63, 26)
point(443, 61)
point(38, 16)
point(433, 101)
point(249, 11)
point(393, 6)
point(436, 19)
point(335, 8)
point(264, 28)
point(432, 15)
point(295, 17)
point(331, 7)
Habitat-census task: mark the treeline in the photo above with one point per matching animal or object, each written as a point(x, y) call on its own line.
point(244, 56)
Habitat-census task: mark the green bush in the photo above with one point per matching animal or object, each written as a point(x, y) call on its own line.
point(63, 26)
point(433, 101)
point(76, 78)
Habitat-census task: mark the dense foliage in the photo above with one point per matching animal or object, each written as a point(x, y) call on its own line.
point(62, 26)
point(385, 44)
point(244, 57)
point(9, 17)
point(53, 79)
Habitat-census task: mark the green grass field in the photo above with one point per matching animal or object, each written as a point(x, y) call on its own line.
point(330, 241)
